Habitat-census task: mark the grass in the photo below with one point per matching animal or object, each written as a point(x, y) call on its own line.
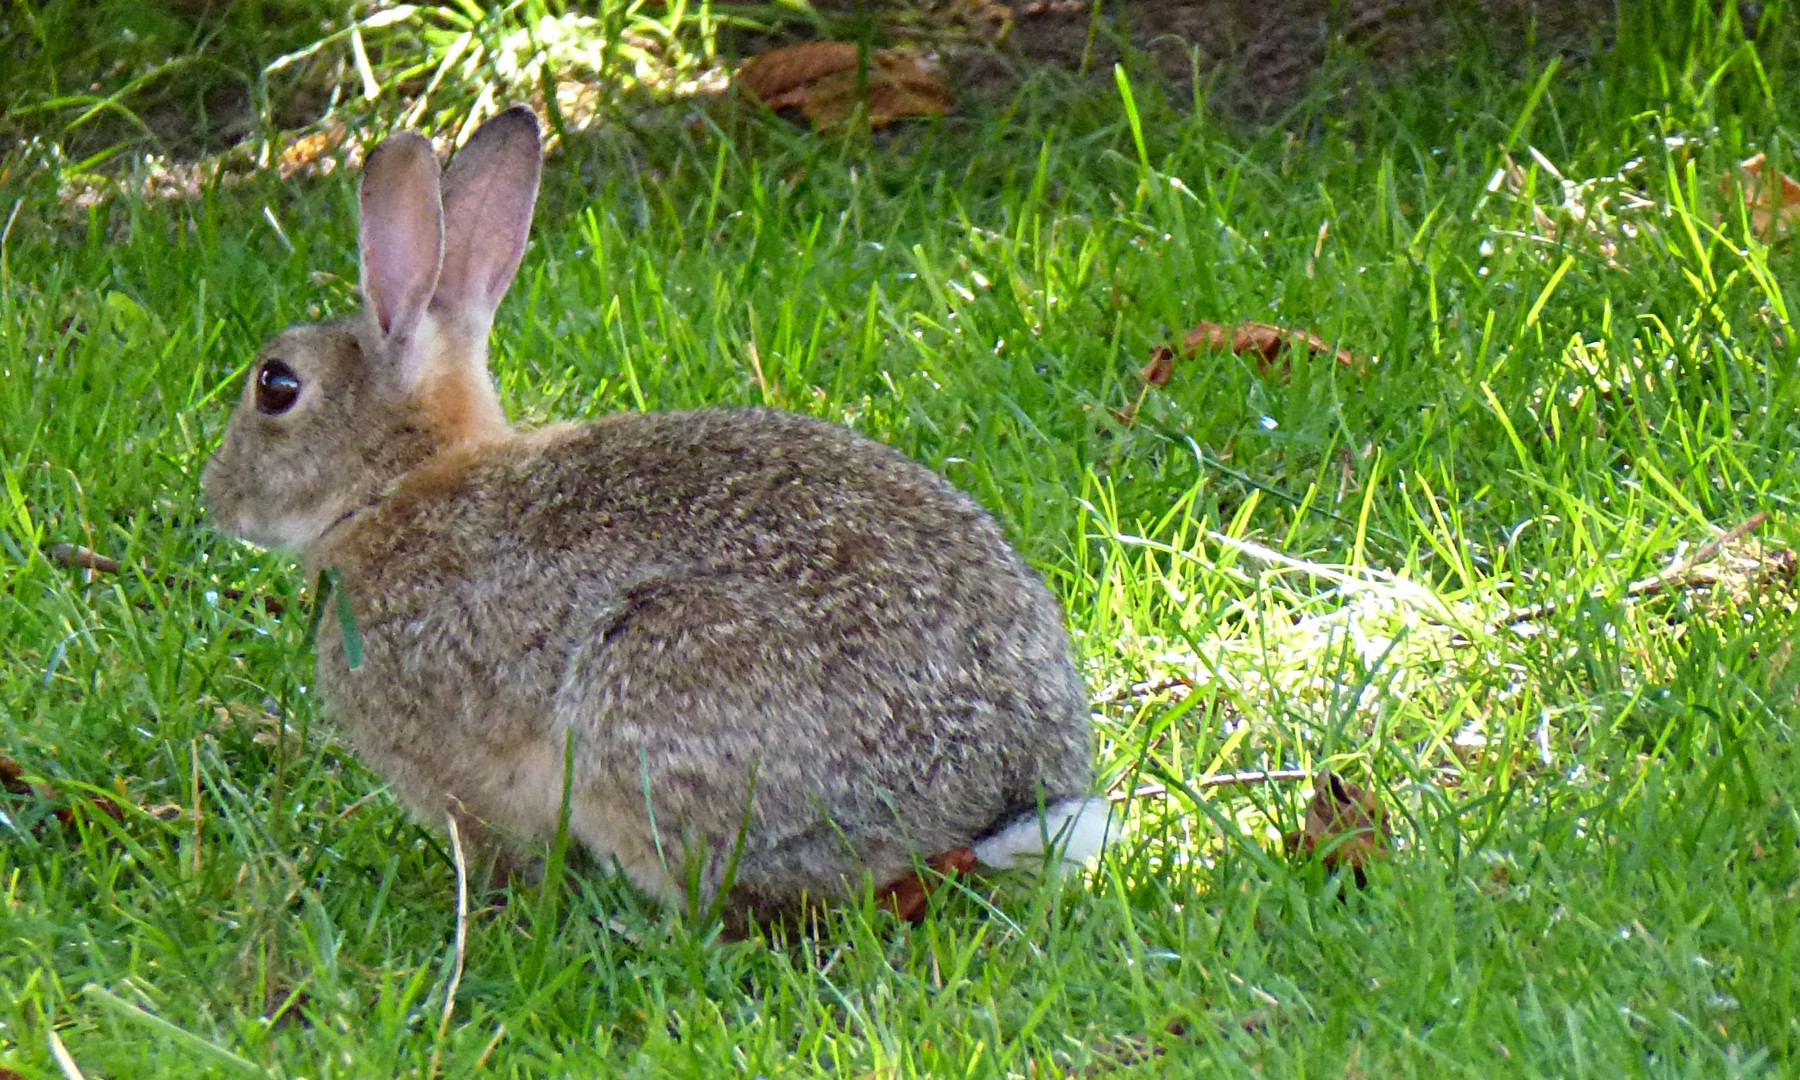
point(92, 88)
point(1597, 866)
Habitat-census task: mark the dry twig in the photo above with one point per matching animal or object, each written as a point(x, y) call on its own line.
point(82, 558)
point(60, 1053)
point(1217, 780)
point(77, 557)
point(462, 940)
point(1686, 573)
point(1145, 689)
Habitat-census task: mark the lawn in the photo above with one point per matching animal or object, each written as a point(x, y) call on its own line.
point(1521, 566)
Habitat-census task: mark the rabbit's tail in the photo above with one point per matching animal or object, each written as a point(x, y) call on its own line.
point(1069, 831)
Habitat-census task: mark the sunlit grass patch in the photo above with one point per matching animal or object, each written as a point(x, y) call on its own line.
point(1526, 575)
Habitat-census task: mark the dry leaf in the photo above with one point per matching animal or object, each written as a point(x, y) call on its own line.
point(821, 79)
point(12, 777)
point(780, 78)
point(893, 94)
point(283, 1006)
point(311, 154)
point(1161, 367)
point(1346, 824)
point(13, 782)
point(1773, 198)
point(1267, 344)
point(906, 897)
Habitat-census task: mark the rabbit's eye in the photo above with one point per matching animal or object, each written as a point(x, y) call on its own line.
point(277, 388)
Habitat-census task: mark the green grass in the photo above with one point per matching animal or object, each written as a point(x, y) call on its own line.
point(1597, 866)
point(93, 86)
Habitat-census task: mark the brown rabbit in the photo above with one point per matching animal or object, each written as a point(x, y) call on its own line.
point(772, 656)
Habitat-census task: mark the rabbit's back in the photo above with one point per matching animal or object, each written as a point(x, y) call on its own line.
point(737, 642)
point(744, 620)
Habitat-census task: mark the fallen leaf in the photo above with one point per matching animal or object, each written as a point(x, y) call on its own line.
point(1267, 344)
point(12, 777)
point(1772, 197)
point(283, 1006)
point(312, 153)
point(1161, 367)
point(899, 86)
point(906, 897)
point(13, 782)
point(822, 80)
point(1345, 824)
point(780, 78)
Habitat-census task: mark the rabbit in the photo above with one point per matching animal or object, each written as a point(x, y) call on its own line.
point(754, 657)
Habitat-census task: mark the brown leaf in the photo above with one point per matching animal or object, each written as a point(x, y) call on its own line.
point(1269, 345)
point(891, 96)
point(821, 79)
point(906, 897)
point(780, 78)
point(1773, 198)
point(12, 777)
point(1346, 824)
point(283, 1005)
point(1161, 367)
point(13, 782)
point(311, 153)
point(101, 803)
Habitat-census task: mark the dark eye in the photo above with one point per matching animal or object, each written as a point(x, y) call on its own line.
point(277, 388)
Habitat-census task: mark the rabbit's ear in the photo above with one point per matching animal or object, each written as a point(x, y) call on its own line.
point(402, 234)
point(489, 191)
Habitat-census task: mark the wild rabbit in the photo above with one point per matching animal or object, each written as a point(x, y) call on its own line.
point(772, 655)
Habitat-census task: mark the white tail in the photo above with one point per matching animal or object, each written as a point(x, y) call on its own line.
point(1074, 830)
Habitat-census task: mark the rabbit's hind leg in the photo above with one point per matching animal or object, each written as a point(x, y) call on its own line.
point(703, 758)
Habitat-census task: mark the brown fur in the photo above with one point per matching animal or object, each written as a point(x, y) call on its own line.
point(458, 414)
point(775, 656)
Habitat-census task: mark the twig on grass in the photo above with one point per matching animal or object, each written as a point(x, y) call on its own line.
point(64, 1060)
point(76, 557)
point(1690, 572)
point(82, 558)
point(354, 808)
point(462, 940)
point(1217, 780)
point(1145, 689)
point(488, 1050)
point(1712, 547)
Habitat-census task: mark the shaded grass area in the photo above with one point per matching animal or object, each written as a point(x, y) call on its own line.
point(108, 87)
point(1581, 365)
